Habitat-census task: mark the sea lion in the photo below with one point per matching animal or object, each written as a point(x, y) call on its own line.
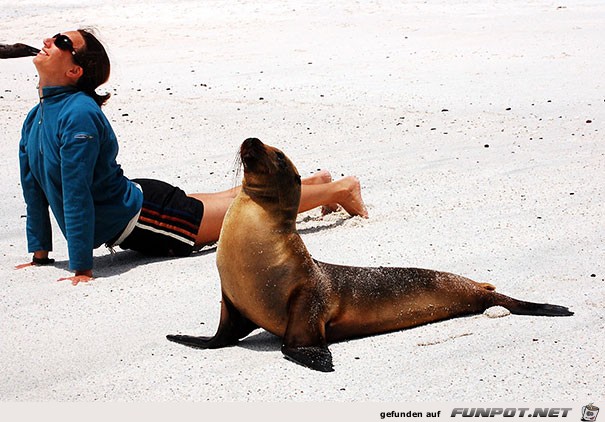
point(11, 51)
point(269, 279)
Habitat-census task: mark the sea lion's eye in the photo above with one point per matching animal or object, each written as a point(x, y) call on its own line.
point(281, 158)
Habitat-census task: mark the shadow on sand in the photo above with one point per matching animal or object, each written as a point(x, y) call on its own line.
point(122, 261)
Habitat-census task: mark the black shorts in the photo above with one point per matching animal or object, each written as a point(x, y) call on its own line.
point(168, 223)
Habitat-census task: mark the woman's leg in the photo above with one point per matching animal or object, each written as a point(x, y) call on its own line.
point(318, 178)
point(315, 192)
point(215, 208)
point(345, 192)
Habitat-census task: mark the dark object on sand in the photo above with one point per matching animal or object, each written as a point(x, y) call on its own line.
point(17, 50)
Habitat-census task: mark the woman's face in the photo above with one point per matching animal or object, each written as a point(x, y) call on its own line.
point(53, 62)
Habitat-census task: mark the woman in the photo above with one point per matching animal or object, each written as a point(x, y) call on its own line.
point(68, 163)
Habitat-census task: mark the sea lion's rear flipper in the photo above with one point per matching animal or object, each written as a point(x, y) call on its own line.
point(10, 51)
point(232, 327)
point(521, 307)
point(304, 340)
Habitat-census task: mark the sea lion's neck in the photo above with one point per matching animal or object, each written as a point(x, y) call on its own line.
point(279, 202)
point(260, 192)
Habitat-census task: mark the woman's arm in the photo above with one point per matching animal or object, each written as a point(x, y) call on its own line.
point(38, 227)
point(80, 146)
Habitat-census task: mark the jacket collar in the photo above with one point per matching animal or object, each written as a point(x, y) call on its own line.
point(53, 91)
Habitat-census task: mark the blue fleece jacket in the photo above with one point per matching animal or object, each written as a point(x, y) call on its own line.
point(68, 155)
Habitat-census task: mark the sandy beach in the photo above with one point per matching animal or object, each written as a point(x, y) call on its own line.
point(476, 130)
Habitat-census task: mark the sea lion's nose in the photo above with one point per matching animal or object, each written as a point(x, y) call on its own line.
point(249, 152)
point(251, 143)
point(249, 146)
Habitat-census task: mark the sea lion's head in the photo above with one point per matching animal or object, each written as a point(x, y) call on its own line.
point(269, 176)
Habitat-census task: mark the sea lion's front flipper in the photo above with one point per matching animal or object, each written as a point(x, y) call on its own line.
point(314, 357)
point(304, 340)
point(232, 327)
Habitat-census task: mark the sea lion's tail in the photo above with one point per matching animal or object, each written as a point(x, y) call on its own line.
point(520, 307)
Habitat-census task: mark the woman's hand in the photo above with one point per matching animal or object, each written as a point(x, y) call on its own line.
point(40, 258)
point(80, 277)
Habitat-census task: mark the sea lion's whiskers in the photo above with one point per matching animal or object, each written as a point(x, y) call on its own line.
point(237, 168)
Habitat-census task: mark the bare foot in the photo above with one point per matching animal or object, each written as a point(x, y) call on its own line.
point(351, 197)
point(320, 177)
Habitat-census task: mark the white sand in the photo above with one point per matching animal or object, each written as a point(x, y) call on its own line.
point(405, 96)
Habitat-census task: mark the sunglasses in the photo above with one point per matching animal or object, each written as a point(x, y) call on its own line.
point(64, 43)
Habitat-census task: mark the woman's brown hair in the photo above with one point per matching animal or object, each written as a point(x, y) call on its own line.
point(95, 65)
